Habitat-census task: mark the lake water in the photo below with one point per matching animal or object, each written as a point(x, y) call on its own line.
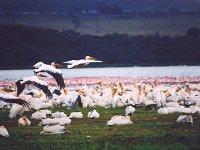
point(133, 72)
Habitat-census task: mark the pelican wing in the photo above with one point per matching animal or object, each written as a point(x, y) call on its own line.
point(59, 79)
point(46, 67)
point(12, 99)
point(20, 87)
point(44, 88)
point(38, 65)
point(70, 61)
point(34, 81)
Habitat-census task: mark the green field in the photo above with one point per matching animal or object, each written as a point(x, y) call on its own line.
point(148, 131)
point(171, 24)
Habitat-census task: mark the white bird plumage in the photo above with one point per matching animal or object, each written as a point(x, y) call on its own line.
point(38, 115)
point(54, 121)
point(119, 120)
point(3, 131)
point(81, 62)
point(55, 129)
point(76, 115)
point(185, 119)
point(129, 110)
point(23, 121)
point(93, 114)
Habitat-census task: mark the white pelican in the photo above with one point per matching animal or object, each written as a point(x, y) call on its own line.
point(185, 119)
point(56, 129)
point(54, 121)
point(76, 115)
point(93, 114)
point(33, 80)
point(16, 110)
point(38, 115)
point(129, 110)
point(119, 120)
point(3, 131)
point(23, 121)
point(81, 62)
point(51, 70)
point(13, 99)
point(59, 115)
point(46, 111)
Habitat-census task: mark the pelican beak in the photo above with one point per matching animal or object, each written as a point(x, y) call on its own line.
point(65, 91)
point(178, 88)
point(100, 83)
point(58, 65)
point(167, 94)
point(90, 58)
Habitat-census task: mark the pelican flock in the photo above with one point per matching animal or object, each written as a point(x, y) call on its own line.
point(36, 95)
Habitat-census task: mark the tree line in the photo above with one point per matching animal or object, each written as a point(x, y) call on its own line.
point(22, 46)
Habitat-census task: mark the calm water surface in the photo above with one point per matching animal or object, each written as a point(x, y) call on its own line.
point(134, 72)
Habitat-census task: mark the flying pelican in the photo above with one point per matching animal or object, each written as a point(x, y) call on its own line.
point(81, 62)
point(56, 73)
point(13, 99)
point(34, 81)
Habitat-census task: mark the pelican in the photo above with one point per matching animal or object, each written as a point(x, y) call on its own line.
point(38, 115)
point(81, 62)
point(93, 114)
point(119, 120)
point(56, 129)
point(23, 121)
point(13, 99)
point(16, 110)
point(129, 110)
point(54, 121)
point(34, 81)
point(76, 115)
point(51, 70)
point(185, 119)
point(59, 115)
point(3, 131)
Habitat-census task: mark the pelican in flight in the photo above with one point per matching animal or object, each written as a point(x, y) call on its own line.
point(81, 62)
point(13, 99)
point(51, 70)
point(34, 81)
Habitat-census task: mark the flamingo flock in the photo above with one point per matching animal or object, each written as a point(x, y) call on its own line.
point(36, 94)
point(105, 80)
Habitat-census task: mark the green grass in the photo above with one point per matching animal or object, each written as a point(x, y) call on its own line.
point(174, 24)
point(148, 131)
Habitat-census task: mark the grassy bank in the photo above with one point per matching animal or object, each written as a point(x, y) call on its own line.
point(148, 131)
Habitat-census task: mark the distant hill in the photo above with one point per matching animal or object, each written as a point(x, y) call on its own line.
point(22, 46)
point(104, 6)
